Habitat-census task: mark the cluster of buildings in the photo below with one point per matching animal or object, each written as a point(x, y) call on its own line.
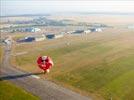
point(40, 37)
point(32, 29)
point(29, 29)
point(85, 31)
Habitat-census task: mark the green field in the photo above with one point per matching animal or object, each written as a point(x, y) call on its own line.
point(8, 91)
point(100, 64)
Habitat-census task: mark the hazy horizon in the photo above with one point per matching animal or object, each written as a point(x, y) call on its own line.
point(22, 7)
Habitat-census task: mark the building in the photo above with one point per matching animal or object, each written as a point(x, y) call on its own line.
point(8, 40)
point(92, 29)
point(78, 31)
point(40, 37)
point(54, 36)
point(50, 36)
point(87, 31)
point(32, 29)
point(70, 32)
point(32, 38)
point(95, 29)
point(58, 36)
point(27, 39)
point(98, 30)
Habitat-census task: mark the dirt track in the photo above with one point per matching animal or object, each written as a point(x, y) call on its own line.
point(44, 89)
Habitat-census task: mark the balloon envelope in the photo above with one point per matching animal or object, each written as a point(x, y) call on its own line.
point(44, 63)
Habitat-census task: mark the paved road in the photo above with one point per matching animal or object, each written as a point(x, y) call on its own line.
point(45, 89)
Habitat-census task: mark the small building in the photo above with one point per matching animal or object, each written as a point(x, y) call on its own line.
point(98, 30)
point(40, 37)
point(32, 29)
point(7, 41)
point(54, 36)
point(92, 29)
point(70, 32)
point(78, 31)
point(95, 29)
point(33, 38)
point(58, 36)
point(50, 36)
point(87, 31)
point(27, 39)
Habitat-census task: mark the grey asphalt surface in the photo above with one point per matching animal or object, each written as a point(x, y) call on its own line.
point(44, 89)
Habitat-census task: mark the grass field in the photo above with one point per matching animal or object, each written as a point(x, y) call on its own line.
point(17, 36)
point(98, 64)
point(8, 91)
point(1, 54)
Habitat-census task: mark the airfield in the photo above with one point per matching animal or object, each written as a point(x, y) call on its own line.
point(99, 65)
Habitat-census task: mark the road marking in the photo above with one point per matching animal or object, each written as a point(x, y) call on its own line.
point(34, 76)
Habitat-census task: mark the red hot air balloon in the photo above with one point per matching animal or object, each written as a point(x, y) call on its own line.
point(45, 63)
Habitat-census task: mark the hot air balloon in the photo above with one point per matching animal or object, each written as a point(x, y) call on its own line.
point(45, 63)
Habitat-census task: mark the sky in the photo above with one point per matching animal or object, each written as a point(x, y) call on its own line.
point(19, 7)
